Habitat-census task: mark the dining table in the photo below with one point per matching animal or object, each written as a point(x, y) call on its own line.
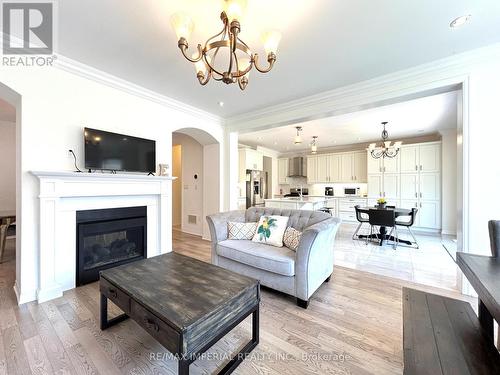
point(483, 273)
point(382, 235)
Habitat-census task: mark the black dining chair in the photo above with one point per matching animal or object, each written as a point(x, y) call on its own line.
point(494, 229)
point(409, 223)
point(360, 218)
point(383, 218)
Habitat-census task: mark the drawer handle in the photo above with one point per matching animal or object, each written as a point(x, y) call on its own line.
point(113, 293)
point(152, 325)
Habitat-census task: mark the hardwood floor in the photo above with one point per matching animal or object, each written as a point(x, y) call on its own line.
point(353, 326)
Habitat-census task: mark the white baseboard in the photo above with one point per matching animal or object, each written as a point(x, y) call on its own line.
point(190, 232)
point(25, 297)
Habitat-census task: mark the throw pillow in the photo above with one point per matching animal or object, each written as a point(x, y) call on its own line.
point(291, 239)
point(241, 231)
point(271, 229)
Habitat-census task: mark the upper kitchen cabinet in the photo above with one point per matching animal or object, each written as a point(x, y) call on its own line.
point(283, 171)
point(312, 170)
point(346, 168)
point(334, 169)
point(425, 157)
point(430, 157)
point(359, 167)
point(249, 159)
point(382, 165)
point(323, 174)
point(409, 159)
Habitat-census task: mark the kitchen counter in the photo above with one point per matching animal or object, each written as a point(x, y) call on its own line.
point(305, 199)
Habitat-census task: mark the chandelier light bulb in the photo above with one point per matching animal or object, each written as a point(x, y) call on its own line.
point(372, 146)
point(183, 25)
point(235, 9)
point(271, 40)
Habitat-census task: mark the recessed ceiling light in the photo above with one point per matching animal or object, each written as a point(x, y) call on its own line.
point(221, 104)
point(460, 21)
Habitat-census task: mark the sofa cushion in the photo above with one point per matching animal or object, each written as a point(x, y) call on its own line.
point(298, 219)
point(270, 230)
point(280, 260)
point(291, 238)
point(241, 231)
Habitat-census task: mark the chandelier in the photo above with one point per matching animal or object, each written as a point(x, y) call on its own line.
point(240, 59)
point(386, 150)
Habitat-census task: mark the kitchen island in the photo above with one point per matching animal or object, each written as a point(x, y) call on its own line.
point(297, 203)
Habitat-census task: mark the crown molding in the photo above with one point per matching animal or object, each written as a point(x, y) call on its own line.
point(363, 95)
point(96, 75)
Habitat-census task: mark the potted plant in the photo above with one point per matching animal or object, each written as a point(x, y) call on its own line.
point(381, 203)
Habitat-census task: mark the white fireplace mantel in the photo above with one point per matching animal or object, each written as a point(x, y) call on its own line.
point(62, 194)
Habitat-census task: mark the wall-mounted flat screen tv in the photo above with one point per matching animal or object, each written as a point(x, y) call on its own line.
point(118, 152)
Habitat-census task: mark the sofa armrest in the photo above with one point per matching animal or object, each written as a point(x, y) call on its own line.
point(217, 223)
point(314, 259)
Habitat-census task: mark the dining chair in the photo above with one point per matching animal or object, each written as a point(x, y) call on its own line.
point(494, 229)
point(383, 218)
point(409, 223)
point(360, 218)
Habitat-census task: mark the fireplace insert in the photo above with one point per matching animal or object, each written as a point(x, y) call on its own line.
point(108, 238)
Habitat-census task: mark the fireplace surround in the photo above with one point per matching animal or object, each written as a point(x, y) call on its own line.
point(107, 238)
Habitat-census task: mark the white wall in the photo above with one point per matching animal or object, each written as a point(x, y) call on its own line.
point(55, 106)
point(449, 181)
point(7, 166)
point(211, 184)
point(192, 189)
point(177, 185)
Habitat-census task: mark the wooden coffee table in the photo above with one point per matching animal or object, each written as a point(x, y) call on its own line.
point(185, 304)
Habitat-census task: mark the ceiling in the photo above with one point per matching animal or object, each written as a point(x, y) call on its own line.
point(326, 43)
point(7, 112)
point(409, 119)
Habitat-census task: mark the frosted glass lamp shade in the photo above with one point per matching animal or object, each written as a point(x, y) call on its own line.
point(183, 25)
point(271, 40)
point(235, 9)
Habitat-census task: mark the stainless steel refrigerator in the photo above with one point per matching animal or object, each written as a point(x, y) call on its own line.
point(256, 182)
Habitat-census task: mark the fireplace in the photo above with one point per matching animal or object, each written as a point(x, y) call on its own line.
point(108, 238)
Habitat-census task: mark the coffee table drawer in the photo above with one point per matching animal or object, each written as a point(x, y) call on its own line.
point(116, 296)
point(156, 327)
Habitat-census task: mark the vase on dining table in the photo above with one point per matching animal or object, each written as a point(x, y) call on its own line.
point(381, 206)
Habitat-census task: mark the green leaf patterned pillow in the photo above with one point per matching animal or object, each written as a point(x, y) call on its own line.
point(270, 230)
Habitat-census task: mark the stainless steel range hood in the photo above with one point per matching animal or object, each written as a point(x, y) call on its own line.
point(297, 167)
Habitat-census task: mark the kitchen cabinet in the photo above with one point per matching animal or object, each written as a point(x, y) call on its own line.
point(346, 167)
point(283, 171)
point(381, 165)
point(312, 170)
point(359, 167)
point(409, 159)
point(334, 168)
point(423, 157)
point(346, 210)
point(249, 159)
point(375, 185)
point(415, 184)
point(323, 168)
point(391, 186)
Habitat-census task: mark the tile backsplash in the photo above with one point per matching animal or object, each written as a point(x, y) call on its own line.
point(319, 189)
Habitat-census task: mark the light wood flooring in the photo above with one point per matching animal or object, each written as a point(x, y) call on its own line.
point(353, 326)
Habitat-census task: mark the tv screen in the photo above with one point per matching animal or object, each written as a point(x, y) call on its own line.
point(118, 152)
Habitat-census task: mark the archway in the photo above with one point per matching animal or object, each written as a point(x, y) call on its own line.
point(196, 192)
point(11, 103)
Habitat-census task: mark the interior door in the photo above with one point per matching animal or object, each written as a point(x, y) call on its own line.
point(346, 164)
point(409, 159)
point(409, 186)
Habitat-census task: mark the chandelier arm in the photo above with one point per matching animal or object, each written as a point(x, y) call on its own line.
point(202, 79)
point(271, 59)
point(184, 48)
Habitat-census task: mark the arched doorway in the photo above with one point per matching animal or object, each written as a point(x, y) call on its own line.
point(10, 189)
point(196, 192)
